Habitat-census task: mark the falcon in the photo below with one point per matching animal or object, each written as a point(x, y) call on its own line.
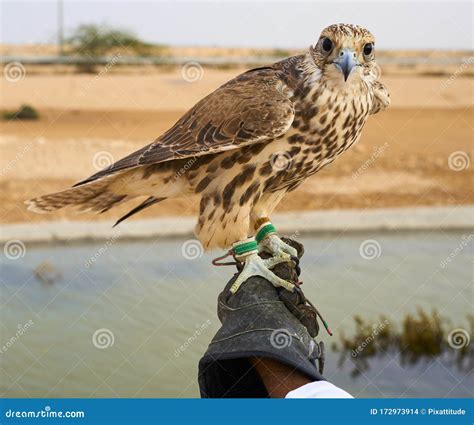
point(242, 147)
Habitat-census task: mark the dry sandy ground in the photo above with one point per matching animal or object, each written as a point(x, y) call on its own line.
point(401, 160)
point(169, 91)
point(32, 50)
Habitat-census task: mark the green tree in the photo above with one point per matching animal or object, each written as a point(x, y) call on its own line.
point(99, 40)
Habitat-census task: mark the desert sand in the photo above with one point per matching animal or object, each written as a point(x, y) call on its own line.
point(402, 159)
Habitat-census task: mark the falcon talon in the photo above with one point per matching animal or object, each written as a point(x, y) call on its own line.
point(273, 261)
point(296, 260)
point(255, 266)
point(273, 244)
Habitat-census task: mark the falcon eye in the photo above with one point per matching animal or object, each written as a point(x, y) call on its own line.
point(368, 49)
point(327, 45)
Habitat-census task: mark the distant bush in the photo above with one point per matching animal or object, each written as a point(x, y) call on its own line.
point(25, 112)
point(94, 41)
point(98, 40)
point(281, 53)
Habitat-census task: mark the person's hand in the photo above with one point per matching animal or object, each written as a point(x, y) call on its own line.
point(266, 346)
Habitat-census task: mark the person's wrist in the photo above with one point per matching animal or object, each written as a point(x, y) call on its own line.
point(279, 378)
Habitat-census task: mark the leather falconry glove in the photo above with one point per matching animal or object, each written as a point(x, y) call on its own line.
point(260, 320)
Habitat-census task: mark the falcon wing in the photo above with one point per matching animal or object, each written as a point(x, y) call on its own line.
point(252, 108)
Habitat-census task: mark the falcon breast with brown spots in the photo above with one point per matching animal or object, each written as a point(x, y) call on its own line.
point(249, 142)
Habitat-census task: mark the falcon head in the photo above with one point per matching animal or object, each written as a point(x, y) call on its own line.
point(345, 52)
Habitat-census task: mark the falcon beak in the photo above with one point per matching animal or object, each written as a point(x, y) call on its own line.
point(346, 61)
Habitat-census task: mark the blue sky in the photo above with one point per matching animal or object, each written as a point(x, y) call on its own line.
point(396, 25)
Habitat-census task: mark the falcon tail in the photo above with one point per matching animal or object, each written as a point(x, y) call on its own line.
point(109, 191)
point(96, 196)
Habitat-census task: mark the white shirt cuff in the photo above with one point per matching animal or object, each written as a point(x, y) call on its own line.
point(318, 389)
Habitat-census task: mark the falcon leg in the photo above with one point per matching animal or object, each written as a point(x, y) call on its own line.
point(254, 265)
point(269, 241)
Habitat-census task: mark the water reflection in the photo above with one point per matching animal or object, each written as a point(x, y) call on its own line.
point(420, 337)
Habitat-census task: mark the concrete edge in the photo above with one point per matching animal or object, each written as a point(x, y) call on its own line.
point(296, 223)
